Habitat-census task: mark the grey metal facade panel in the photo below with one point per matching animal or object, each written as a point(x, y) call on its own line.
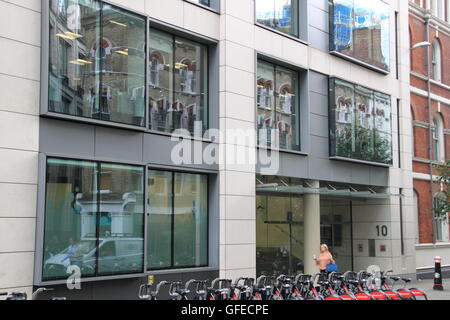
point(320, 18)
point(293, 165)
point(361, 173)
point(378, 176)
point(320, 4)
point(318, 83)
point(319, 125)
point(319, 147)
point(319, 39)
point(66, 138)
point(320, 169)
point(318, 25)
point(342, 171)
point(319, 104)
point(157, 149)
point(118, 144)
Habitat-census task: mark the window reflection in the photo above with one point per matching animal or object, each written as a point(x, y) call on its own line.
point(159, 227)
point(190, 220)
point(281, 15)
point(96, 61)
point(93, 218)
point(361, 30)
point(177, 230)
point(277, 107)
point(360, 123)
point(178, 84)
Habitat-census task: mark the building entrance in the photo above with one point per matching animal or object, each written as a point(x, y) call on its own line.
point(336, 230)
point(279, 235)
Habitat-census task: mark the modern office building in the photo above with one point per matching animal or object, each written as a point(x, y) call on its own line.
point(111, 167)
point(430, 103)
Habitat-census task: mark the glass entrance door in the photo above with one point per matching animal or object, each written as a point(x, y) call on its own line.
point(335, 230)
point(279, 235)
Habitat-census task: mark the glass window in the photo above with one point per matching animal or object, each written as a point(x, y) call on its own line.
point(177, 230)
point(383, 128)
point(360, 123)
point(120, 219)
point(438, 138)
point(360, 30)
point(190, 220)
point(178, 84)
point(203, 2)
point(281, 15)
point(93, 218)
point(436, 60)
point(440, 216)
point(122, 57)
point(159, 222)
point(277, 107)
point(96, 61)
point(279, 235)
point(364, 123)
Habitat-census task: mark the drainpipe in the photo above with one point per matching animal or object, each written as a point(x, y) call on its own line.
point(430, 131)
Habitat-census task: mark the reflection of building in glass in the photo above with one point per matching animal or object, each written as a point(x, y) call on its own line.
point(277, 106)
point(362, 127)
point(343, 24)
point(361, 31)
point(178, 96)
point(96, 77)
point(278, 15)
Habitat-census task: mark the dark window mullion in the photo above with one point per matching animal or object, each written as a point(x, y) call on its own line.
point(97, 217)
point(172, 249)
point(174, 39)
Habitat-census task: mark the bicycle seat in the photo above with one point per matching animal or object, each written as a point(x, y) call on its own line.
point(395, 278)
point(183, 292)
point(406, 280)
point(241, 288)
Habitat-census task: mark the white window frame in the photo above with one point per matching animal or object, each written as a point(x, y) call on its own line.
point(438, 138)
point(436, 60)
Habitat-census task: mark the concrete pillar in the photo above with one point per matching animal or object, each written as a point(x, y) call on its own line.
point(312, 229)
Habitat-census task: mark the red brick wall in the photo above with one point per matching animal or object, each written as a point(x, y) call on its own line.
point(419, 107)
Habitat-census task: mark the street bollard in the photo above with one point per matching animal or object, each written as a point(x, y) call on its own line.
point(437, 275)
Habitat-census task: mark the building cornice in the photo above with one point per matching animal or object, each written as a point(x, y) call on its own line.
point(420, 13)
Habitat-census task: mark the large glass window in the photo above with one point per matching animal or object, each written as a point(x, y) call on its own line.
point(360, 30)
point(177, 230)
point(178, 84)
point(97, 61)
point(281, 15)
point(94, 218)
point(277, 107)
point(360, 123)
point(279, 234)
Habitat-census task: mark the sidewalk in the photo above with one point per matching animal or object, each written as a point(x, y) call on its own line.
point(427, 286)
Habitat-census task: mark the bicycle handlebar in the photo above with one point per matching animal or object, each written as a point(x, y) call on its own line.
point(39, 291)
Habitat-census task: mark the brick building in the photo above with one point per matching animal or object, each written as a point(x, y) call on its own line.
point(430, 109)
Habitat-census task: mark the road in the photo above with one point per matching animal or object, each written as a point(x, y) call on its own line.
point(427, 286)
